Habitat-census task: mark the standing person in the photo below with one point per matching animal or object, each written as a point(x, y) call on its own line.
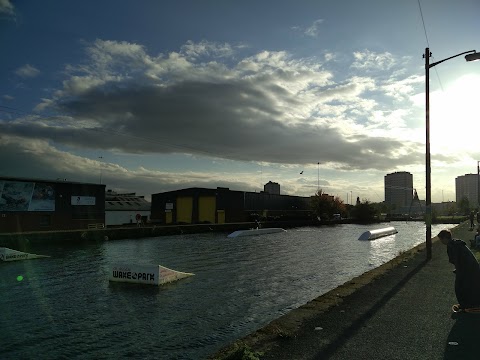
point(472, 217)
point(467, 271)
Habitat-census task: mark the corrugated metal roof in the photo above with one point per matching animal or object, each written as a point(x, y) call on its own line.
point(125, 202)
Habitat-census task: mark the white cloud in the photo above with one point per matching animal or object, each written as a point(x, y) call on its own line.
point(402, 89)
point(27, 71)
point(313, 29)
point(369, 60)
point(6, 8)
point(206, 48)
point(8, 97)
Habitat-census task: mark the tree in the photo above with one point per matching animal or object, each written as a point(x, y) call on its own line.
point(324, 205)
point(364, 211)
point(450, 209)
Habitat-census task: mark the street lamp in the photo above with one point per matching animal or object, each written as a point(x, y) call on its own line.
point(472, 55)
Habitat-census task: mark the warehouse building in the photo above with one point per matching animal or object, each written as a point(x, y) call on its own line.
point(126, 209)
point(222, 205)
point(41, 205)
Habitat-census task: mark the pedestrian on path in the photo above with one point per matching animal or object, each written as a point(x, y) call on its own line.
point(472, 217)
point(467, 271)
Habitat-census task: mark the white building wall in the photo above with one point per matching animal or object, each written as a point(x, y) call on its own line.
point(123, 217)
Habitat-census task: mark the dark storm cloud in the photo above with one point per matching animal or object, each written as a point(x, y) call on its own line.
point(263, 109)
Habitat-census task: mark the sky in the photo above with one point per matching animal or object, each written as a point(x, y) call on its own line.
point(153, 96)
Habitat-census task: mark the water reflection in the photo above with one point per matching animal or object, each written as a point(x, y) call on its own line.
point(381, 250)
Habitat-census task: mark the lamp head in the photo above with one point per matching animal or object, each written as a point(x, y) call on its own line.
point(472, 57)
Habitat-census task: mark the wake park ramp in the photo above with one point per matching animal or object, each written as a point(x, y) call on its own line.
point(378, 233)
point(7, 254)
point(145, 274)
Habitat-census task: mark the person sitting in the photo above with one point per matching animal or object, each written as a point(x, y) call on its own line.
point(476, 239)
point(467, 271)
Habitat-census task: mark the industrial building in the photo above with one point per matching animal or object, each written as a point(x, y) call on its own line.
point(125, 208)
point(467, 186)
point(222, 205)
point(41, 205)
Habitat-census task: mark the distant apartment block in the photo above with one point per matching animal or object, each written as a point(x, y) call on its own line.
point(467, 186)
point(399, 190)
point(272, 188)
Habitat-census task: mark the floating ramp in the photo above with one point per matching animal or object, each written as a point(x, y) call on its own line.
point(7, 254)
point(253, 232)
point(145, 274)
point(378, 233)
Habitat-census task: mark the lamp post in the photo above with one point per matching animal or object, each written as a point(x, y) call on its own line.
point(472, 55)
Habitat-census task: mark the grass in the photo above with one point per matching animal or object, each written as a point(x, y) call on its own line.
point(241, 352)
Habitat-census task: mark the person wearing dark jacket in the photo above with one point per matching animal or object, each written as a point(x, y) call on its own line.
point(467, 271)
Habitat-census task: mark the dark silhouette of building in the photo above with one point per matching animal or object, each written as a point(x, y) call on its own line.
point(39, 205)
point(222, 205)
point(272, 188)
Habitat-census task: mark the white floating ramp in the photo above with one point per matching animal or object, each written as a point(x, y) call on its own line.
point(253, 232)
point(145, 274)
point(378, 233)
point(7, 254)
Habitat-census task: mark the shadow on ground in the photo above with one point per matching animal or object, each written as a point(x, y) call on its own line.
point(463, 339)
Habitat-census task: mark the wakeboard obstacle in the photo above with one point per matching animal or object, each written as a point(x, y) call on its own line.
point(253, 232)
point(145, 274)
point(7, 254)
point(378, 233)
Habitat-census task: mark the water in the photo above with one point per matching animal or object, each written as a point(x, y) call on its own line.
point(65, 307)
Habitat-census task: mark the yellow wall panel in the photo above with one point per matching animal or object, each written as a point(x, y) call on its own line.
point(221, 216)
point(206, 209)
point(168, 217)
point(184, 209)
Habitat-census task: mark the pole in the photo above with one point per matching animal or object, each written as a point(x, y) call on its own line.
point(428, 185)
point(478, 185)
point(101, 157)
point(318, 176)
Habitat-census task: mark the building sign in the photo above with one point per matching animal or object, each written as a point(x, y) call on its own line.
point(169, 206)
point(139, 274)
point(26, 196)
point(83, 200)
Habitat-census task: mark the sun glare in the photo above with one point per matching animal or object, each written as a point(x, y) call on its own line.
point(454, 116)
